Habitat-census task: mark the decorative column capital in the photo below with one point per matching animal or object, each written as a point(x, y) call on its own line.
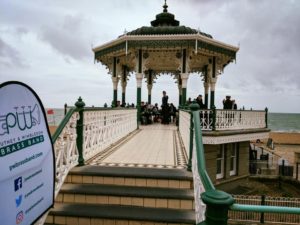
point(149, 86)
point(184, 78)
point(115, 81)
point(124, 84)
point(139, 78)
point(213, 85)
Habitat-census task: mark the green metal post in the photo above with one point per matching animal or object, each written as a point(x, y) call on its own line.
point(193, 107)
point(262, 215)
point(183, 96)
point(180, 99)
point(79, 129)
point(206, 100)
point(115, 98)
point(212, 99)
point(149, 99)
point(138, 103)
point(266, 117)
point(123, 98)
point(217, 206)
point(214, 118)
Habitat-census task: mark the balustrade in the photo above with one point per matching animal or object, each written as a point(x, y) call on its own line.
point(184, 128)
point(103, 128)
point(232, 119)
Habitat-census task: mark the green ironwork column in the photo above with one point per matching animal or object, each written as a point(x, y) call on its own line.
point(206, 86)
point(213, 83)
point(184, 77)
point(115, 82)
point(79, 130)
point(124, 84)
point(139, 78)
point(150, 84)
point(179, 82)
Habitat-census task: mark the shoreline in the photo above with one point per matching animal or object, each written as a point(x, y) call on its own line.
point(288, 138)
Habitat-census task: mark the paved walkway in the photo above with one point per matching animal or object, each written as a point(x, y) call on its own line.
point(154, 145)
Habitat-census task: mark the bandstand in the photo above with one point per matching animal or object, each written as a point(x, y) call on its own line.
point(165, 47)
point(109, 170)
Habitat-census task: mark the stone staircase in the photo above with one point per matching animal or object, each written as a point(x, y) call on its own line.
point(95, 195)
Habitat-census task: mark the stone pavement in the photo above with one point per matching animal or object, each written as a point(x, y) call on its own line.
point(156, 145)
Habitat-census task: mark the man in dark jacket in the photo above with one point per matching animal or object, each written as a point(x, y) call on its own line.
point(227, 103)
point(199, 100)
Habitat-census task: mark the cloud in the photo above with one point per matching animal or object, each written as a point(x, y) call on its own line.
point(9, 56)
point(67, 38)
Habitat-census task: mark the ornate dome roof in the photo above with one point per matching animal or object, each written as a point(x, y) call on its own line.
point(165, 23)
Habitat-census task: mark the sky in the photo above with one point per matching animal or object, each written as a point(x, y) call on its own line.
point(47, 44)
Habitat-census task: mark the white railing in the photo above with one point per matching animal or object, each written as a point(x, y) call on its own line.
point(200, 207)
point(206, 119)
point(184, 130)
point(66, 155)
point(239, 119)
point(103, 128)
point(277, 218)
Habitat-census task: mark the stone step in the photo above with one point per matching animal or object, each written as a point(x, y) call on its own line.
point(127, 195)
point(94, 214)
point(147, 177)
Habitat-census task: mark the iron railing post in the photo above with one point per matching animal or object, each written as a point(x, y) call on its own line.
point(79, 130)
point(266, 117)
point(214, 118)
point(217, 207)
point(193, 107)
point(297, 171)
point(262, 215)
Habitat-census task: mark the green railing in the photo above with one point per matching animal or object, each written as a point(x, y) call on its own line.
point(62, 124)
point(218, 203)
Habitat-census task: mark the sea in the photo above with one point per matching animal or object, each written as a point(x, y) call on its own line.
point(277, 122)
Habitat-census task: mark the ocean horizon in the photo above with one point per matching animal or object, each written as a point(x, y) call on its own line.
point(277, 122)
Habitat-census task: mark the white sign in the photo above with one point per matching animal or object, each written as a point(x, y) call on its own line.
point(26, 156)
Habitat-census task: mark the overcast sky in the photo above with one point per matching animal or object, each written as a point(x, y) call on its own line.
point(47, 45)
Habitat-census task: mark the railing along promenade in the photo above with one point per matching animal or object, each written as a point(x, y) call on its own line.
point(219, 119)
point(83, 133)
point(214, 207)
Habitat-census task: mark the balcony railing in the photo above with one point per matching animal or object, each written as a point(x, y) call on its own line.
point(219, 119)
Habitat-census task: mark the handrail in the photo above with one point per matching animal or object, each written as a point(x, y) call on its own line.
point(207, 183)
point(210, 196)
point(62, 124)
point(265, 209)
point(106, 108)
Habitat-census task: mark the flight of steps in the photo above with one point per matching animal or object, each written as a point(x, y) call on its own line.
point(95, 195)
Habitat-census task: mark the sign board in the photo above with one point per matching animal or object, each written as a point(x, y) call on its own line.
point(27, 161)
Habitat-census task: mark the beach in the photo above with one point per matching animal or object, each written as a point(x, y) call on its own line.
point(289, 138)
point(286, 145)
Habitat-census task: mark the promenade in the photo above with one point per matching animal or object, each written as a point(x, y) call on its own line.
point(152, 146)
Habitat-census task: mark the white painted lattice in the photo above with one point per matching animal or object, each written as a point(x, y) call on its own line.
point(103, 128)
point(200, 207)
point(184, 129)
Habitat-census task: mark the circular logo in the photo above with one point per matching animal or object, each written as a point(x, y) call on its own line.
point(19, 217)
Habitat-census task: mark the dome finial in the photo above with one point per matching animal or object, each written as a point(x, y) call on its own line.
point(165, 6)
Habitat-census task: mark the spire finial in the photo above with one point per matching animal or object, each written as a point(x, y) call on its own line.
point(165, 6)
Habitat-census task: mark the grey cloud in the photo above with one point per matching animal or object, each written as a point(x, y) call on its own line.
point(9, 56)
point(67, 38)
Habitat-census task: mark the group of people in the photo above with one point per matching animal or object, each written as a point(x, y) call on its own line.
point(152, 113)
point(228, 103)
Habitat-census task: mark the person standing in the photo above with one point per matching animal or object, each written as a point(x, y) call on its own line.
point(165, 108)
point(199, 100)
point(227, 103)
